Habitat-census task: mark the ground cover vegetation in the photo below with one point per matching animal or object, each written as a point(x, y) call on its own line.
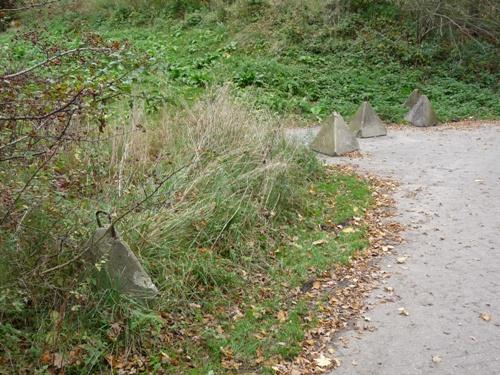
point(310, 58)
point(170, 115)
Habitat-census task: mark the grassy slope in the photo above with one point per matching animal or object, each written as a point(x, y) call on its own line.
point(293, 61)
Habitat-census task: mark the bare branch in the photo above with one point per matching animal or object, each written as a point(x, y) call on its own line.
point(55, 57)
point(52, 113)
point(131, 209)
point(40, 167)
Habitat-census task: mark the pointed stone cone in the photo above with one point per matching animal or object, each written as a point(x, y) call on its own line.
point(412, 99)
point(122, 269)
point(335, 138)
point(366, 122)
point(422, 113)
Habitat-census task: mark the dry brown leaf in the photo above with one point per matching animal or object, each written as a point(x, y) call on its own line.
point(114, 331)
point(282, 316)
point(260, 357)
point(46, 358)
point(323, 361)
point(316, 285)
point(401, 260)
point(485, 316)
point(319, 242)
point(165, 358)
point(403, 311)
point(58, 361)
point(227, 352)
point(436, 359)
point(230, 364)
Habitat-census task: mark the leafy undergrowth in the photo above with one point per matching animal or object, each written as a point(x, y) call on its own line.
point(295, 58)
point(247, 222)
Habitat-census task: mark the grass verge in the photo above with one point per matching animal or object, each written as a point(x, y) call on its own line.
point(250, 221)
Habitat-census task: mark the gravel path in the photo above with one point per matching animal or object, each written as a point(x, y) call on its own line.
point(449, 199)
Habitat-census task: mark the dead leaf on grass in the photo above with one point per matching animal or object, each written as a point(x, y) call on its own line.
point(319, 242)
point(114, 331)
point(282, 316)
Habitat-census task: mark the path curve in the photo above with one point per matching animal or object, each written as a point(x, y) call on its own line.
point(449, 199)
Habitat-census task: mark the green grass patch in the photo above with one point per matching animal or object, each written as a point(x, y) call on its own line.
point(289, 59)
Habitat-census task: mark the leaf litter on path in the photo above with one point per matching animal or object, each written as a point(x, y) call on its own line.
point(347, 286)
point(485, 316)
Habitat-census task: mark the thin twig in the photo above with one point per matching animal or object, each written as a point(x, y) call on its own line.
point(53, 112)
point(133, 208)
point(55, 57)
point(40, 167)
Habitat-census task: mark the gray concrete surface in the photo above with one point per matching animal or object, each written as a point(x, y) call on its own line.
point(122, 269)
point(449, 199)
point(422, 114)
point(334, 137)
point(366, 123)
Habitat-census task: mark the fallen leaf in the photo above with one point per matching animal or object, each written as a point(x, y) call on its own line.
point(323, 361)
point(236, 314)
point(316, 285)
point(348, 230)
point(309, 342)
point(403, 311)
point(319, 242)
point(230, 364)
point(112, 361)
point(485, 316)
point(58, 361)
point(114, 331)
point(46, 358)
point(260, 357)
point(436, 359)
point(282, 316)
point(401, 260)
point(165, 358)
point(226, 352)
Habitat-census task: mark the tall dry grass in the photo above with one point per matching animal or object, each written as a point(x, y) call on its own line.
point(203, 235)
point(216, 217)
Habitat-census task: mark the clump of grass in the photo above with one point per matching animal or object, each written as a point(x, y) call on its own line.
point(214, 217)
point(225, 240)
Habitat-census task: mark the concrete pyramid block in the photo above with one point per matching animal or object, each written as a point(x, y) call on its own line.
point(366, 122)
point(422, 113)
point(121, 267)
point(412, 99)
point(335, 138)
